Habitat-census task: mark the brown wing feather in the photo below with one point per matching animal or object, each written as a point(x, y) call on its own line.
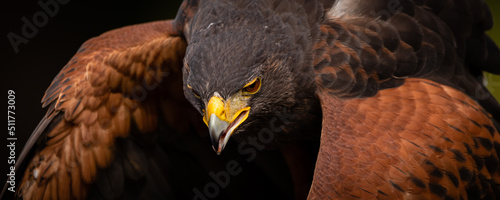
point(104, 90)
point(421, 140)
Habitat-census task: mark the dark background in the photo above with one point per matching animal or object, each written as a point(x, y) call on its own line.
point(30, 71)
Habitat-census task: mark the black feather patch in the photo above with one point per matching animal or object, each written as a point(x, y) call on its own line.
point(465, 174)
point(382, 193)
point(469, 150)
point(479, 162)
point(490, 129)
point(437, 173)
point(437, 189)
point(492, 164)
point(396, 186)
point(453, 178)
point(458, 155)
point(418, 182)
point(485, 142)
point(436, 149)
point(455, 128)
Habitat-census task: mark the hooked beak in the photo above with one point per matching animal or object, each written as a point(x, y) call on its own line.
point(222, 120)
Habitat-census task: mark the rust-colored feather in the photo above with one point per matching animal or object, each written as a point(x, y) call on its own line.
point(425, 155)
point(82, 142)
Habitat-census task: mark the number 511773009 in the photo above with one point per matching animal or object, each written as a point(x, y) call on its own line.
point(11, 107)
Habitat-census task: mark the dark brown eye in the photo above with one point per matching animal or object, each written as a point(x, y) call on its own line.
point(253, 87)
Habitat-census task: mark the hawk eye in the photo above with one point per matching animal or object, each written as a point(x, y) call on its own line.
point(194, 92)
point(252, 87)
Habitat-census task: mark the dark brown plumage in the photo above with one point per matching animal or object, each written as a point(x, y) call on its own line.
point(390, 89)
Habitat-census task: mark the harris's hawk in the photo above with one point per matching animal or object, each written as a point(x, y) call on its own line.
point(344, 99)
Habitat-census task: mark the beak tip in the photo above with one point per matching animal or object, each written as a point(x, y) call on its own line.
point(217, 151)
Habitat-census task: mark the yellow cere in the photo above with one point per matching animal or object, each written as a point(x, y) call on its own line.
point(215, 106)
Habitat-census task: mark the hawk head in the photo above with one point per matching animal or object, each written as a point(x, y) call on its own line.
point(244, 62)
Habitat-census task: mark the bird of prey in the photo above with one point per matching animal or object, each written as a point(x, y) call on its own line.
point(317, 99)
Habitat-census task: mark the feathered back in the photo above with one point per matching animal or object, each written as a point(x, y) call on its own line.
point(380, 43)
